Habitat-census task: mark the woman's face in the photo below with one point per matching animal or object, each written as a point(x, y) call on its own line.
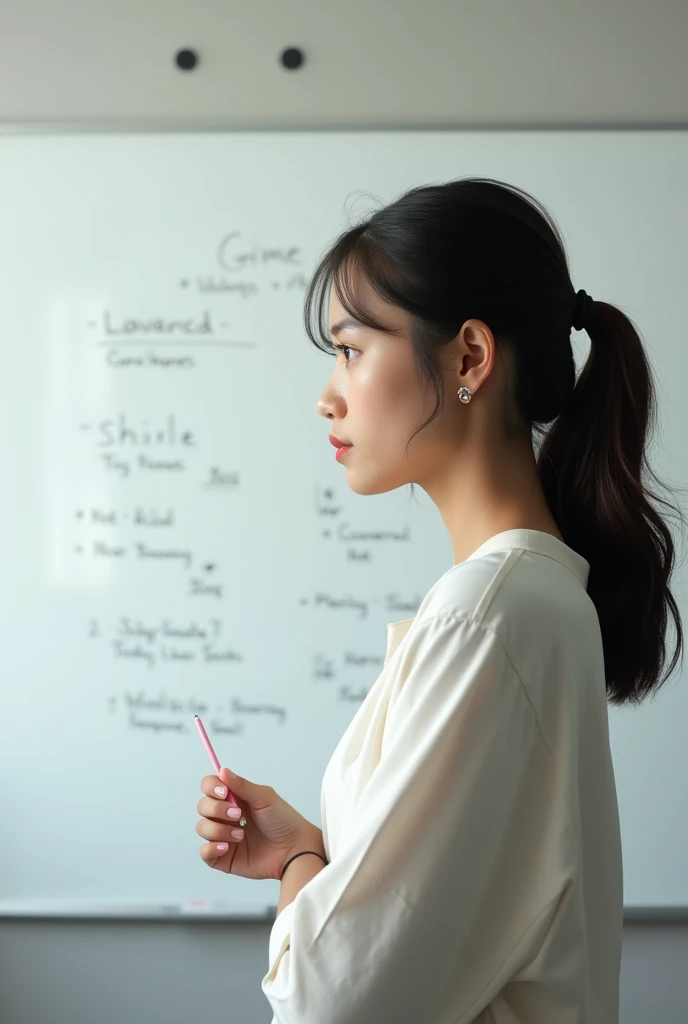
point(376, 398)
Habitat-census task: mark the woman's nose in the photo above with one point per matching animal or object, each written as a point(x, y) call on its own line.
point(331, 403)
point(323, 407)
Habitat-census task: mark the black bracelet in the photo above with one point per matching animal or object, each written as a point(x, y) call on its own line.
point(300, 855)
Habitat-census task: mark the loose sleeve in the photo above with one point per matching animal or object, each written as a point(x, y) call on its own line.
point(458, 851)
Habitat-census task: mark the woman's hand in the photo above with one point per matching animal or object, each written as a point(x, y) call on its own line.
point(274, 830)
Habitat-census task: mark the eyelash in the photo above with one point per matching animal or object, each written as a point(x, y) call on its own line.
point(340, 348)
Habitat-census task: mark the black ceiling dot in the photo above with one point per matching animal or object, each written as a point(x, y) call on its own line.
point(186, 59)
point(292, 58)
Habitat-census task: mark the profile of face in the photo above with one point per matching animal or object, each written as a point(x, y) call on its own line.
point(376, 398)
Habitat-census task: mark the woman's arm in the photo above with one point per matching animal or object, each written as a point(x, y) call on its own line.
point(296, 876)
point(303, 869)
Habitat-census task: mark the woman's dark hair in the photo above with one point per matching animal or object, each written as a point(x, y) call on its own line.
point(476, 247)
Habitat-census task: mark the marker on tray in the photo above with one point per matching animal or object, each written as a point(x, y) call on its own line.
point(214, 761)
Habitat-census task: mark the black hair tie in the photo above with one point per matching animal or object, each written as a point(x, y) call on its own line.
point(585, 307)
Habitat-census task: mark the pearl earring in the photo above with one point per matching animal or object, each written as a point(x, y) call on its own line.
point(464, 394)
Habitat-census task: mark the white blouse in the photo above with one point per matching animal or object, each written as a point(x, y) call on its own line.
point(470, 817)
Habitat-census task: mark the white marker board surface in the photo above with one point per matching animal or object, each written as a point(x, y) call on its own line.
point(178, 536)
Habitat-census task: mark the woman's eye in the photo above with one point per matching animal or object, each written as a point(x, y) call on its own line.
point(345, 349)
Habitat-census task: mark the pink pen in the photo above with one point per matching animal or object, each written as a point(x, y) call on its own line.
point(215, 763)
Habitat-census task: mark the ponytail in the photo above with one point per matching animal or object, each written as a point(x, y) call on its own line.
point(593, 469)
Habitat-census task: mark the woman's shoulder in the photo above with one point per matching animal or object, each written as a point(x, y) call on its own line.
point(512, 596)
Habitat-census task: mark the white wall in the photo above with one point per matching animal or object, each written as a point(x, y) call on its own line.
point(378, 62)
point(368, 61)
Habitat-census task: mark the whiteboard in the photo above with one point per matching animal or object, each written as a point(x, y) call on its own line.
point(178, 535)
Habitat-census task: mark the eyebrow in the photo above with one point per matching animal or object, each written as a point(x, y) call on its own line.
point(346, 322)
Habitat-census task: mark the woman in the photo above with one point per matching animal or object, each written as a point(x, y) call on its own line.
point(469, 867)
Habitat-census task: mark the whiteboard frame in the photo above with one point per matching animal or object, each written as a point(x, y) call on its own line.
point(221, 127)
point(174, 912)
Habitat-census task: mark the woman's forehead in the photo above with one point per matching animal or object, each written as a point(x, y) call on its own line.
point(372, 303)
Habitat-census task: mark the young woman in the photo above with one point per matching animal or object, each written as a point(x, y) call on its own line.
point(469, 867)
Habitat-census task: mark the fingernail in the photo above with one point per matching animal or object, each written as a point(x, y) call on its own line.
point(237, 833)
point(234, 812)
point(220, 791)
point(222, 847)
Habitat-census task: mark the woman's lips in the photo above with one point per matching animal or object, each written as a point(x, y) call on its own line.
point(342, 447)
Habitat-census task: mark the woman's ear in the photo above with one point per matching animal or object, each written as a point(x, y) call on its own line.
point(475, 354)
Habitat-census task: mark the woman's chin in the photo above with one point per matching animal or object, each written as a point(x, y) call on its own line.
point(368, 485)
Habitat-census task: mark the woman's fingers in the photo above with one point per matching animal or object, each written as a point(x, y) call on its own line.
point(211, 853)
point(211, 783)
point(217, 833)
point(217, 809)
point(220, 838)
point(216, 825)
